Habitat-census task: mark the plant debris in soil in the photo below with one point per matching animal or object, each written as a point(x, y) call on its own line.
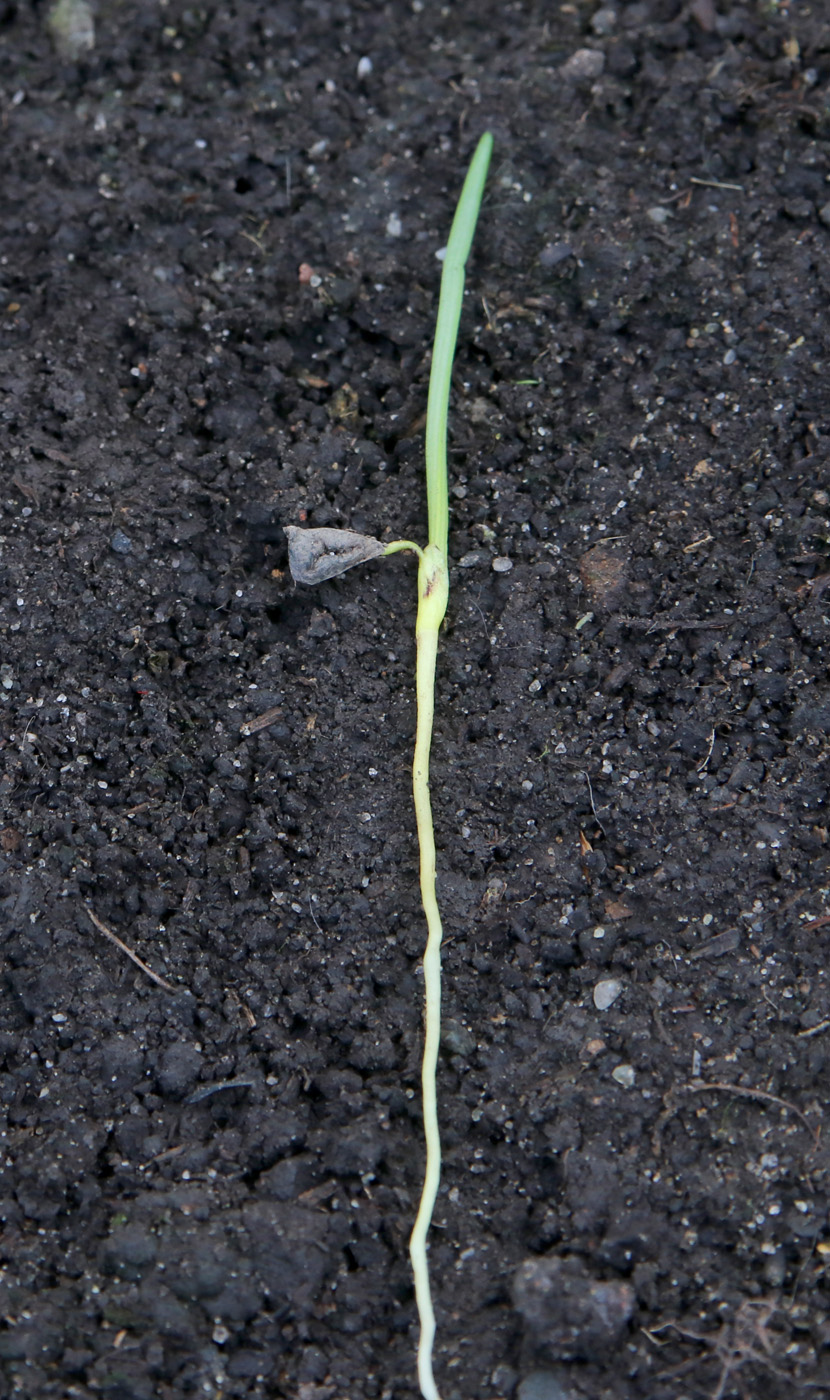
point(218, 282)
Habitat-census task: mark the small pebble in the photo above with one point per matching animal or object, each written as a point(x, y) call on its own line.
point(469, 561)
point(604, 20)
point(624, 1076)
point(121, 543)
point(583, 65)
point(606, 993)
point(543, 1385)
point(502, 565)
point(364, 66)
point(569, 1314)
point(658, 214)
point(394, 227)
point(458, 1039)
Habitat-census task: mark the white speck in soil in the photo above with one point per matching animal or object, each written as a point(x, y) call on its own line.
point(606, 993)
point(624, 1076)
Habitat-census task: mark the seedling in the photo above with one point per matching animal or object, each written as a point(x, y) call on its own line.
point(316, 555)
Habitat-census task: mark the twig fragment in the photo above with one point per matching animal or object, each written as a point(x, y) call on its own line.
point(761, 1095)
point(251, 726)
point(716, 184)
point(208, 1090)
point(813, 1030)
point(119, 943)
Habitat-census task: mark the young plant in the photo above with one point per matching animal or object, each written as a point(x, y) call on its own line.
point(316, 555)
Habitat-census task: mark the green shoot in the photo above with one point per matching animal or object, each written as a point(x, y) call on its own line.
point(315, 555)
point(433, 591)
point(446, 334)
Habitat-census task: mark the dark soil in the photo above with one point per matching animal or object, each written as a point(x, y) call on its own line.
point(218, 283)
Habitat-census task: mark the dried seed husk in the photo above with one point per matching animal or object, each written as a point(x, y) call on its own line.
point(319, 554)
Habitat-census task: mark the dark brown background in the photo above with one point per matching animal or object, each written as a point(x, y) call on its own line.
point(629, 764)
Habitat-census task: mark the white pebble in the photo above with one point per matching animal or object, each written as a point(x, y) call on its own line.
point(394, 227)
point(606, 993)
point(624, 1075)
point(364, 67)
point(502, 565)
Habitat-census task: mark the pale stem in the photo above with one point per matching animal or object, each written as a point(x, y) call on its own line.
point(329, 552)
point(433, 589)
point(395, 547)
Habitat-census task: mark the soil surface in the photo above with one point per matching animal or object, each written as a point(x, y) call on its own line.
point(218, 282)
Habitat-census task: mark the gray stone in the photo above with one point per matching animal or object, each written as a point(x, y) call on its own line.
point(583, 66)
point(121, 543)
point(286, 1180)
point(457, 1039)
point(568, 1314)
point(604, 21)
point(543, 1385)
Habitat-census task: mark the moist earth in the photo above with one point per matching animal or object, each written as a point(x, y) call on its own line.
point(219, 246)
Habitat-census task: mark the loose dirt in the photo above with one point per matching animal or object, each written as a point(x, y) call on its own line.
point(218, 283)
